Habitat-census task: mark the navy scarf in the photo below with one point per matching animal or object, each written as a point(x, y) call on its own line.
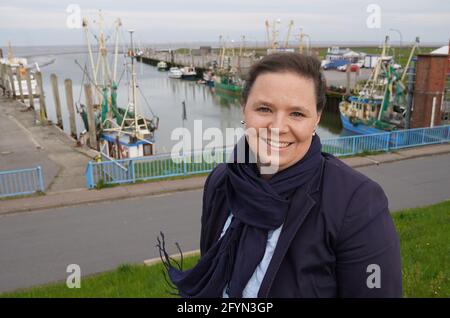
point(258, 206)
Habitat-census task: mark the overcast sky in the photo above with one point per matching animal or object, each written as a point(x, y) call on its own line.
point(34, 22)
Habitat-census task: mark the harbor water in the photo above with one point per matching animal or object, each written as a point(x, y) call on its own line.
point(157, 93)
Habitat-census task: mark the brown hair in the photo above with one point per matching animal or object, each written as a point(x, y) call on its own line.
point(304, 65)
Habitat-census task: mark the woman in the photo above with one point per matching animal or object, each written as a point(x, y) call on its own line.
point(313, 228)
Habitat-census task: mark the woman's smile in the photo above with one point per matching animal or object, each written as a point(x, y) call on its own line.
point(278, 146)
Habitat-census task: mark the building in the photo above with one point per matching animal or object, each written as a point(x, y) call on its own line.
point(335, 53)
point(431, 86)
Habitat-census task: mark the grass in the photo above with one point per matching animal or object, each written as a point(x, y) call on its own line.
point(425, 247)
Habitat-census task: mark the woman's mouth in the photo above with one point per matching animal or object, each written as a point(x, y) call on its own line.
point(277, 145)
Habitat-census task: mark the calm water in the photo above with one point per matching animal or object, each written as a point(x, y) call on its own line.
point(164, 96)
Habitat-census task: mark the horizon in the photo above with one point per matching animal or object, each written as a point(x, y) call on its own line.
point(56, 22)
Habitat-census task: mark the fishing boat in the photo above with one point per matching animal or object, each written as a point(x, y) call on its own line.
point(381, 104)
point(161, 66)
point(20, 69)
point(188, 73)
point(175, 72)
point(123, 132)
point(228, 83)
point(226, 73)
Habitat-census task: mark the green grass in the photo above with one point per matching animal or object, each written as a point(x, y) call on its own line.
point(425, 248)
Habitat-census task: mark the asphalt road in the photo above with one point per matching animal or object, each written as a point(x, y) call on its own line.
point(36, 247)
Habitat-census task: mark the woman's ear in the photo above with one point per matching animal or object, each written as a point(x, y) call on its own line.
point(243, 109)
point(319, 115)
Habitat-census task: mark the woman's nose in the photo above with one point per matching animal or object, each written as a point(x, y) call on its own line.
point(279, 122)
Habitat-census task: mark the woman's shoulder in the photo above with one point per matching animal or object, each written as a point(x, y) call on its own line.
point(339, 174)
point(349, 194)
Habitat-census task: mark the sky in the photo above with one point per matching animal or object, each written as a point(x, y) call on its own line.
point(53, 22)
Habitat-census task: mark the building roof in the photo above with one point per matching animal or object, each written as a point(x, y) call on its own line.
point(441, 50)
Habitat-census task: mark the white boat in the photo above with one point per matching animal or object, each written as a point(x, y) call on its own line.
point(20, 65)
point(188, 73)
point(175, 72)
point(162, 66)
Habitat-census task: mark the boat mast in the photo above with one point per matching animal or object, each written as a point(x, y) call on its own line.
point(106, 77)
point(300, 48)
point(91, 57)
point(269, 44)
point(116, 49)
point(133, 81)
point(380, 62)
point(286, 42)
point(405, 70)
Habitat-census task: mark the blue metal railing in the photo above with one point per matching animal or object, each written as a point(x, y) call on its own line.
point(20, 182)
point(163, 166)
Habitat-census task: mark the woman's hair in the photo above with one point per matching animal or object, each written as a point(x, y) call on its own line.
point(304, 65)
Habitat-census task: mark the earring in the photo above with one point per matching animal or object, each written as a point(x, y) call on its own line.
point(314, 132)
point(242, 122)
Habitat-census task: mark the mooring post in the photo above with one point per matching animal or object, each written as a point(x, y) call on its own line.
point(19, 82)
point(30, 90)
point(54, 82)
point(91, 116)
point(42, 108)
point(70, 108)
point(2, 77)
point(11, 81)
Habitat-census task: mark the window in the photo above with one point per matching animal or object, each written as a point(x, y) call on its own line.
point(148, 150)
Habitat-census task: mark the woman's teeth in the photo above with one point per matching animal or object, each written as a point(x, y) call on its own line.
point(275, 144)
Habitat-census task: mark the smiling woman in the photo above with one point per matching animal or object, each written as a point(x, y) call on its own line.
point(313, 228)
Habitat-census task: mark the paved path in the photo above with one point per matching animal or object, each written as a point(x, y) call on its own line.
point(36, 247)
point(23, 144)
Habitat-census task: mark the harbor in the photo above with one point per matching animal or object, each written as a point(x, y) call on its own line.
point(115, 105)
point(113, 115)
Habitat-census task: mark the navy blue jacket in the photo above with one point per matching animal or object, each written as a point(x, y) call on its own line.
point(338, 239)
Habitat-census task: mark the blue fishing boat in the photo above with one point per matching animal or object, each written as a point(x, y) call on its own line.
point(381, 105)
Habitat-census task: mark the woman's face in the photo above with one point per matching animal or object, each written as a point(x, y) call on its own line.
point(283, 103)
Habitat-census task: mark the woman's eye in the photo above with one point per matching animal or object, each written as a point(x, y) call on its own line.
point(263, 109)
point(297, 114)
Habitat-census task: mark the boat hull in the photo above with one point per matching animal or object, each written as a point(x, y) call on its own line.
point(189, 77)
point(230, 89)
point(358, 128)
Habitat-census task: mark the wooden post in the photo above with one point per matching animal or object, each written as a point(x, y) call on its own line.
point(348, 70)
point(69, 100)
point(91, 118)
point(42, 107)
point(19, 82)
point(30, 91)
point(3, 78)
point(11, 81)
point(54, 82)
